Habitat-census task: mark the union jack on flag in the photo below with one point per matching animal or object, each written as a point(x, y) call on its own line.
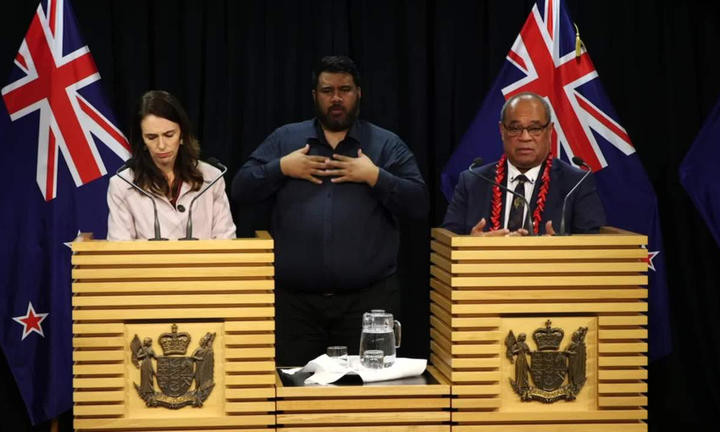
point(53, 110)
point(51, 84)
point(544, 59)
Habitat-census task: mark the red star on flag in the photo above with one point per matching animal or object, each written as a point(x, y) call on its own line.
point(649, 259)
point(31, 321)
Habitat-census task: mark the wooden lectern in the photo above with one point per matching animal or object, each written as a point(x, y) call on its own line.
point(580, 297)
point(190, 300)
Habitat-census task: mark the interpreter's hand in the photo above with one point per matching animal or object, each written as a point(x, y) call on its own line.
point(350, 169)
point(549, 230)
point(300, 165)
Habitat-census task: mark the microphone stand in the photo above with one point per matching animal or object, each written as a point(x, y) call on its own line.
point(138, 188)
point(223, 169)
point(578, 161)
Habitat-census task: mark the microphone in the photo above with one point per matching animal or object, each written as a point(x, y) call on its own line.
point(223, 169)
point(528, 224)
point(579, 162)
point(125, 166)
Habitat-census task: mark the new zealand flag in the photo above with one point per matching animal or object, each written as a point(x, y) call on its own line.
point(58, 142)
point(697, 172)
point(546, 60)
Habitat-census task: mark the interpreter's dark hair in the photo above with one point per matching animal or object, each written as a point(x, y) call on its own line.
point(525, 95)
point(335, 64)
point(147, 175)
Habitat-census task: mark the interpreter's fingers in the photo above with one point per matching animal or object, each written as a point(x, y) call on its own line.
point(342, 179)
point(342, 157)
point(313, 179)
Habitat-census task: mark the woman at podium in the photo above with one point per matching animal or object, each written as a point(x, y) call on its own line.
point(164, 191)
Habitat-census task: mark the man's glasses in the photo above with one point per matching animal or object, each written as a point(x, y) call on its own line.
point(514, 131)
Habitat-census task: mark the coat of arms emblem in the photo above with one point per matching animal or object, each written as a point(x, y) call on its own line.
point(548, 367)
point(175, 372)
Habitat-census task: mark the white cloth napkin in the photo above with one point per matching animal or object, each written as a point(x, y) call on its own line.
point(328, 370)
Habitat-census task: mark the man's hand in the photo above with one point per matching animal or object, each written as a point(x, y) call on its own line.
point(477, 230)
point(549, 230)
point(301, 166)
point(349, 169)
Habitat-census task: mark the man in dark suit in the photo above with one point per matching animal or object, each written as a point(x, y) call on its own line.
point(528, 168)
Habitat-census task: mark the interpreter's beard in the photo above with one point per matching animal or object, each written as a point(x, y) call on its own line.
point(337, 123)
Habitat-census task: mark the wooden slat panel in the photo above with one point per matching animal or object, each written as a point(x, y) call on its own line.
point(622, 320)
point(226, 300)
point(440, 327)
point(610, 388)
point(445, 236)
point(368, 428)
point(476, 390)
point(620, 401)
point(358, 404)
point(99, 396)
point(98, 356)
point(538, 308)
point(99, 369)
point(98, 342)
point(82, 287)
point(540, 254)
point(546, 294)
point(95, 383)
point(245, 407)
point(169, 314)
point(440, 313)
point(250, 339)
point(174, 272)
point(634, 347)
point(170, 423)
point(475, 322)
point(484, 376)
point(250, 380)
point(237, 393)
point(172, 246)
point(441, 358)
point(509, 281)
point(95, 329)
point(364, 391)
point(250, 366)
point(550, 267)
point(476, 336)
point(443, 302)
point(242, 326)
point(476, 362)
point(246, 353)
point(173, 259)
point(633, 360)
point(98, 410)
point(566, 427)
point(468, 349)
point(623, 334)
point(476, 403)
point(547, 416)
point(362, 417)
point(440, 340)
point(622, 374)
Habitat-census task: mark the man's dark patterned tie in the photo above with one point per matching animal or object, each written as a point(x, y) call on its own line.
point(515, 221)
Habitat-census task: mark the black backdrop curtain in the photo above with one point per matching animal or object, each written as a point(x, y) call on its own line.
point(243, 68)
